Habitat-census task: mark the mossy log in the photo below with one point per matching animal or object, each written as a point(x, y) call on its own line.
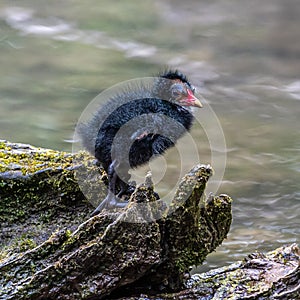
point(271, 276)
point(51, 249)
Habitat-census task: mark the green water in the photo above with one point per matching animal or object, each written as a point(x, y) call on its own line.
point(56, 56)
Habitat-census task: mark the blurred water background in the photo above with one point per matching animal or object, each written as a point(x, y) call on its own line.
point(244, 56)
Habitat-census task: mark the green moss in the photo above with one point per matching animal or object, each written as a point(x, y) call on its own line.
point(19, 244)
point(38, 184)
point(31, 163)
point(30, 174)
point(202, 221)
point(70, 241)
point(26, 244)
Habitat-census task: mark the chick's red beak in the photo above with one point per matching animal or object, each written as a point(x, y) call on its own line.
point(191, 100)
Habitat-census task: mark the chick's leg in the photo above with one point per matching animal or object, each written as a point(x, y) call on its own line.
point(110, 200)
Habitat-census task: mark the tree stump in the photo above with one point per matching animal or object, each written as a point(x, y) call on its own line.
point(52, 249)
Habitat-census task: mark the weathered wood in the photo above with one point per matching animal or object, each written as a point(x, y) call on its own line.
point(144, 243)
point(271, 276)
point(39, 194)
point(51, 249)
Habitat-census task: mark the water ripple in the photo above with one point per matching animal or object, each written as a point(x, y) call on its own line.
point(25, 22)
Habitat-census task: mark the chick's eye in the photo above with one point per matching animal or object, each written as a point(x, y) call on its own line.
point(177, 90)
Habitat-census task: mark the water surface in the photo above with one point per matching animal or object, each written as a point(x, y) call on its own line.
point(244, 57)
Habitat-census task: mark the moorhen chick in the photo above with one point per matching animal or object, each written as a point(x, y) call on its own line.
point(136, 125)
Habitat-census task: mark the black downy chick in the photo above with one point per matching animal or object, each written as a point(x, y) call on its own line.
point(135, 126)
